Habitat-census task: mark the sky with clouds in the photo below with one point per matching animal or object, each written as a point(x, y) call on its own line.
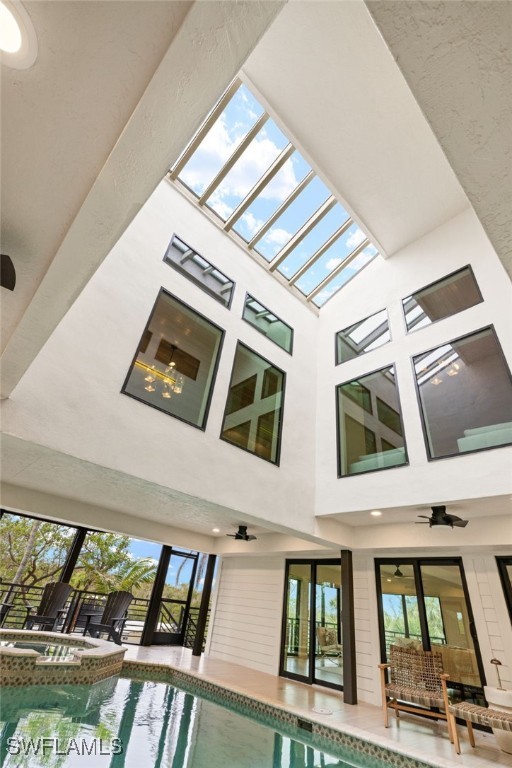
point(217, 147)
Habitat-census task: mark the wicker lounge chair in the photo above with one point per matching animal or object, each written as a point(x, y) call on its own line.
point(415, 677)
point(472, 713)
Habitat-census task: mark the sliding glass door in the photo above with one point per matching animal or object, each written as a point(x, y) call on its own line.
point(312, 650)
point(424, 604)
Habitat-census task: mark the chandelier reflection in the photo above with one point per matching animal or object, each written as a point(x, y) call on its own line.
point(167, 383)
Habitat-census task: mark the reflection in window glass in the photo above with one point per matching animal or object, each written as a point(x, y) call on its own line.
point(268, 323)
point(365, 441)
point(176, 361)
point(441, 299)
point(257, 425)
point(361, 337)
point(505, 569)
point(465, 394)
point(204, 274)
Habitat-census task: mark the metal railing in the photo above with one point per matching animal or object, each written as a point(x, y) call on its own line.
point(293, 633)
point(392, 635)
point(82, 601)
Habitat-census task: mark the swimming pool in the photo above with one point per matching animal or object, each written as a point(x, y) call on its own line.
point(48, 651)
point(125, 723)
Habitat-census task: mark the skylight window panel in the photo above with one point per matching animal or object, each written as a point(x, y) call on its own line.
point(248, 169)
point(312, 242)
point(346, 273)
point(222, 139)
point(272, 196)
point(302, 208)
point(331, 259)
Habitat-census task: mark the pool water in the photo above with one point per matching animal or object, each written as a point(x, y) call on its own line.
point(50, 651)
point(123, 723)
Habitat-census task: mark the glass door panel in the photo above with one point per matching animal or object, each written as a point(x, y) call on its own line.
point(296, 659)
point(400, 606)
point(329, 650)
point(449, 624)
point(175, 600)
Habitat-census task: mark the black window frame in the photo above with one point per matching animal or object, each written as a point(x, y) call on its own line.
point(365, 352)
point(257, 328)
point(201, 427)
point(277, 461)
point(431, 285)
point(167, 259)
point(338, 436)
point(502, 561)
point(418, 396)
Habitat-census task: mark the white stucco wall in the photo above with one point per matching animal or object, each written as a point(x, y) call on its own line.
point(384, 284)
point(70, 398)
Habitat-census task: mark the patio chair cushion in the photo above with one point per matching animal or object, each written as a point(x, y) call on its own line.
point(482, 715)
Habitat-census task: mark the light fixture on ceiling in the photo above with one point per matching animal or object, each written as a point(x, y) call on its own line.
point(167, 382)
point(18, 40)
point(376, 513)
point(436, 381)
point(215, 530)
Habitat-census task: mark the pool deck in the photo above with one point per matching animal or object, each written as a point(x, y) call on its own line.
point(414, 736)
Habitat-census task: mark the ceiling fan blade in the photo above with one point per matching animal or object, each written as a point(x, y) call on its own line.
point(460, 523)
point(420, 522)
point(251, 538)
point(425, 516)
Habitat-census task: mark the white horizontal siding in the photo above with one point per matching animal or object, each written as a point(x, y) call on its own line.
point(246, 627)
point(366, 630)
point(491, 616)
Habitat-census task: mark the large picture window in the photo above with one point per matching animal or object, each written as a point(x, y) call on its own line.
point(444, 298)
point(253, 415)
point(175, 364)
point(465, 394)
point(370, 431)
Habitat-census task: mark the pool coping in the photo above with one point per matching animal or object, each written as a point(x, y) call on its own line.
point(346, 735)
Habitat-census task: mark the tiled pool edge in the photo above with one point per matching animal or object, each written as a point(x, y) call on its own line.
point(327, 735)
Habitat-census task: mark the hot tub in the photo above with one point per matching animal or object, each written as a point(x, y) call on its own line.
point(50, 658)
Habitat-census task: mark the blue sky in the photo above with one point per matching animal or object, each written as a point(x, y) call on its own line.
point(226, 134)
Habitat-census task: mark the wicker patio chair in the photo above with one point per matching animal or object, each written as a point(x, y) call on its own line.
point(415, 677)
point(328, 646)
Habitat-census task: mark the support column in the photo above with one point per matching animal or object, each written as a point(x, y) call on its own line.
point(203, 608)
point(156, 596)
point(73, 555)
point(348, 629)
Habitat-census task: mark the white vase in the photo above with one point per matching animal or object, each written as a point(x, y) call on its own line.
point(500, 699)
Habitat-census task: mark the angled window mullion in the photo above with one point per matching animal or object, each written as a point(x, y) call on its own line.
point(189, 254)
point(306, 228)
point(282, 208)
point(261, 184)
point(338, 269)
point(210, 120)
point(212, 186)
point(373, 335)
point(323, 248)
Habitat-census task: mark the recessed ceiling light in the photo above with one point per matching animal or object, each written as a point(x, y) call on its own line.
point(215, 530)
point(18, 41)
point(376, 513)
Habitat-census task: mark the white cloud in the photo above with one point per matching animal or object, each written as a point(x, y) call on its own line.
point(252, 223)
point(278, 236)
point(332, 263)
point(355, 238)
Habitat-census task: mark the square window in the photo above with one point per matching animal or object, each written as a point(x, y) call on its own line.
point(370, 431)
point(361, 337)
point(441, 299)
point(267, 323)
point(254, 409)
point(176, 361)
point(465, 394)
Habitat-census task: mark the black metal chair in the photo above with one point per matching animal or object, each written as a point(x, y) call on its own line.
point(112, 619)
point(51, 608)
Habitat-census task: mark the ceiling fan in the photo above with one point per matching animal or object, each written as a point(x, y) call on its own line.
point(242, 534)
point(441, 517)
point(399, 575)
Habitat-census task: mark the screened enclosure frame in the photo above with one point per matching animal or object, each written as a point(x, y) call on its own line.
point(164, 292)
